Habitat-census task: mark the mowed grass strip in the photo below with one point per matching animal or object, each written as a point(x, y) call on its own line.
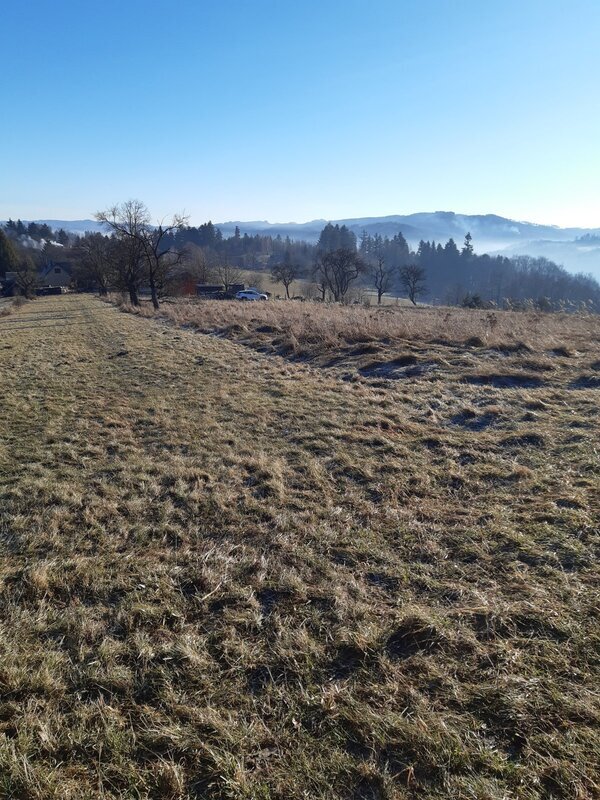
point(228, 575)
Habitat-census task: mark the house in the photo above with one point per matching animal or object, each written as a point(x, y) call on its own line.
point(51, 279)
point(8, 285)
point(55, 274)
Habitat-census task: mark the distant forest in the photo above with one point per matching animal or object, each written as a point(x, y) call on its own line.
point(443, 273)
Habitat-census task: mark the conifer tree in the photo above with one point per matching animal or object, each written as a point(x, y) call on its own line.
point(467, 250)
point(8, 256)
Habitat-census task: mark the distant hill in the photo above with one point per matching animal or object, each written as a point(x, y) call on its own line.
point(428, 225)
point(578, 249)
point(79, 226)
point(576, 256)
point(491, 234)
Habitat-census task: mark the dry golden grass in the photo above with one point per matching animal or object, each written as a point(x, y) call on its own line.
point(315, 329)
point(10, 304)
point(228, 575)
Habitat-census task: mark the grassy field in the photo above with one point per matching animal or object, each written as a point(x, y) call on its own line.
point(304, 287)
point(316, 331)
point(367, 569)
point(261, 279)
point(6, 306)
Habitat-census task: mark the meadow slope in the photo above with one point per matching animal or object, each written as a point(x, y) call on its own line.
point(226, 574)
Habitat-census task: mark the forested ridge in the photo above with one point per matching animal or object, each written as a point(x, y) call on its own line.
point(449, 272)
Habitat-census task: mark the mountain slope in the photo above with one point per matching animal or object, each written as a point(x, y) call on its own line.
point(426, 225)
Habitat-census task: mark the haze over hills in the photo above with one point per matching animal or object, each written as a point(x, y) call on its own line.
point(578, 249)
point(492, 229)
point(79, 226)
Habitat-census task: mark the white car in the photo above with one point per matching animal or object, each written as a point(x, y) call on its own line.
point(251, 294)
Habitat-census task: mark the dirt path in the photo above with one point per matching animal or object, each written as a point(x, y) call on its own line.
point(227, 575)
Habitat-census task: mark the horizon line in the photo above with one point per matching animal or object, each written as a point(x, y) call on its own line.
point(327, 220)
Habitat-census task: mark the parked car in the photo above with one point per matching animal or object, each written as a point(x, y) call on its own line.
point(251, 294)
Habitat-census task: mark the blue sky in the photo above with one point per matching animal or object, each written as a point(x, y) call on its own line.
point(301, 110)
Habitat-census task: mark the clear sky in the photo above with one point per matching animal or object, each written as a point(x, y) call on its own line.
point(286, 110)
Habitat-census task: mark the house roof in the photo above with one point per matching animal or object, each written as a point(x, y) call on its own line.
point(51, 266)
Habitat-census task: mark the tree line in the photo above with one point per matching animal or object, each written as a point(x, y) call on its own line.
point(136, 253)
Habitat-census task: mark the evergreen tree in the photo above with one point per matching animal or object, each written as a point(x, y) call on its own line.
point(364, 245)
point(347, 238)
point(400, 249)
point(8, 256)
point(467, 251)
point(328, 238)
point(451, 253)
point(333, 237)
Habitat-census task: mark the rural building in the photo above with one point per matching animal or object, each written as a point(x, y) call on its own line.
point(209, 289)
point(51, 276)
point(55, 274)
point(217, 291)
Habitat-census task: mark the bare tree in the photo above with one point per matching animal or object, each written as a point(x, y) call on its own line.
point(285, 273)
point(26, 276)
point(127, 223)
point(162, 259)
point(228, 275)
point(381, 276)
point(96, 262)
point(195, 269)
point(129, 265)
point(412, 278)
point(320, 278)
point(198, 265)
point(150, 255)
point(337, 270)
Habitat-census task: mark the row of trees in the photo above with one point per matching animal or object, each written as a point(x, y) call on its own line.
point(240, 250)
point(335, 271)
point(337, 265)
point(37, 232)
point(455, 273)
point(136, 254)
point(172, 256)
